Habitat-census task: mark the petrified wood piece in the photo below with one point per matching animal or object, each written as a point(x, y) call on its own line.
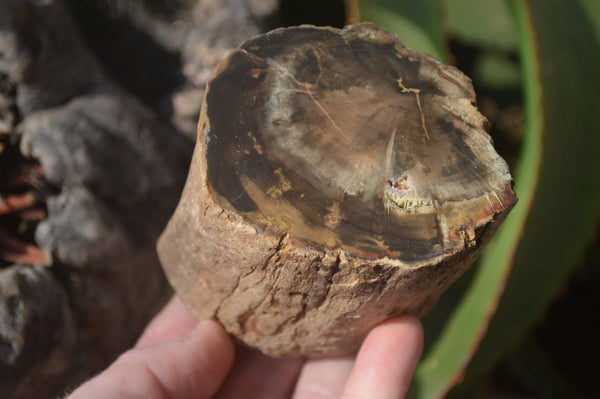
point(338, 179)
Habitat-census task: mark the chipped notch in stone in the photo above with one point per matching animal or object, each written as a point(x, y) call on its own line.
point(402, 195)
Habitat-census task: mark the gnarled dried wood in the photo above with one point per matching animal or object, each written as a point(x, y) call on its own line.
point(339, 178)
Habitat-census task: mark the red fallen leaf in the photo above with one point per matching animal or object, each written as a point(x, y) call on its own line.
point(16, 251)
point(33, 215)
point(16, 202)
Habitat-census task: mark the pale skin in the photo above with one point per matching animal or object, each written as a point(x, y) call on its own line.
point(177, 357)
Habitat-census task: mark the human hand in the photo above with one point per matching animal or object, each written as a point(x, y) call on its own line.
point(176, 357)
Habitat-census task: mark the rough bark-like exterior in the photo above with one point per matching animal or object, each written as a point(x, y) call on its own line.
point(301, 254)
point(284, 299)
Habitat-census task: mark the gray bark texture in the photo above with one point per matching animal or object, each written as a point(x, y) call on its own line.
point(108, 119)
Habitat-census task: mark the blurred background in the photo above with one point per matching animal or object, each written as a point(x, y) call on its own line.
point(524, 321)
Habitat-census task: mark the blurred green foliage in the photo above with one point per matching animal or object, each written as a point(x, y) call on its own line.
point(418, 23)
point(542, 57)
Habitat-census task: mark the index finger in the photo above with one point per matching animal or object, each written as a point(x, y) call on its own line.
point(386, 360)
point(172, 322)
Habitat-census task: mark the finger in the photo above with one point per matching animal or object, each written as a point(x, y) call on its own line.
point(255, 375)
point(172, 322)
point(190, 367)
point(386, 360)
point(323, 378)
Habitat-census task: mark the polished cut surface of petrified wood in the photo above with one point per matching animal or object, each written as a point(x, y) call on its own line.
point(338, 179)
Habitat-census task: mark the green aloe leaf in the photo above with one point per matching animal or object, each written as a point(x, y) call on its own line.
point(547, 231)
point(567, 205)
point(452, 349)
point(445, 361)
point(417, 23)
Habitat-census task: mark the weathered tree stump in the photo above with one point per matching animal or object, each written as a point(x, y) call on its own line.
point(338, 179)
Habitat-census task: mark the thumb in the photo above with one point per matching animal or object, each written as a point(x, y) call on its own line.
point(193, 366)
